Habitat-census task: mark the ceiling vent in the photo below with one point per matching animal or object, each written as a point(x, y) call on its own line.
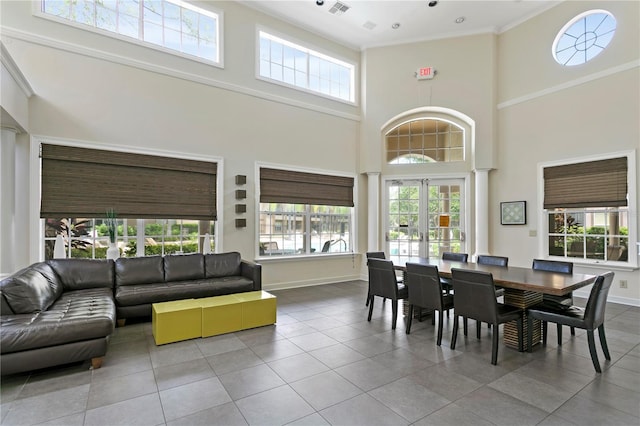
point(339, 8)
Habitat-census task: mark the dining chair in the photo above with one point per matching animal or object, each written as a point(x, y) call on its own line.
point(455, 257)
point(475, 297)
point(425, 291)
point(373, 255)
point(485, 259)
point(560, 302)
point(383, 283)
point(590, 318)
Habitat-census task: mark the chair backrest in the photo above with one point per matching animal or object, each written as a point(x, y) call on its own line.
point(475, 295)
point(423, 283)
point(382, 278)
point(484, 259)
point(594, 311)
point(458, 257)
point(552, 266)
point(326, 246)
point(375, 255)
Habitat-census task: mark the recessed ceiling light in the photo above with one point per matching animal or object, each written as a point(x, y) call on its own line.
point(460, 20)
point(395, 26)
point(433, 3)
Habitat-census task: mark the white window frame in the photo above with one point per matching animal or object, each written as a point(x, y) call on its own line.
point(543, 218)
point(218, 62)
point(309, 50)
point(353, 234)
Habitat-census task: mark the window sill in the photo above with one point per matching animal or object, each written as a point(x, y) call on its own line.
point(598, 264)
point(304, 257)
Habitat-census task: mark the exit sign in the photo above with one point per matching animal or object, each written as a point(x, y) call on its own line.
point(425, 73)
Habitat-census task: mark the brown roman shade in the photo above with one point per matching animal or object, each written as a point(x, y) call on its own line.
point(285, 186)
point(82, 182)
point(601, 183)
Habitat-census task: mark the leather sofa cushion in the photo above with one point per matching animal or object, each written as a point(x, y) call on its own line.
point(33, 289)
point(132, 295)
point(74, 317)
point(222, 264)
point(77, 274)
point(184, 267)
point(139, 270)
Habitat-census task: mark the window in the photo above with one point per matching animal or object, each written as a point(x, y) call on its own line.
point(88, 237)
point(171, 24)
point(302, 68)
point(425, 140)
point(584, 37)
point(587, 210)
point(303, 213)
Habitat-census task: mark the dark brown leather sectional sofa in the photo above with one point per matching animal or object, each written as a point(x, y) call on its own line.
point(64, 310)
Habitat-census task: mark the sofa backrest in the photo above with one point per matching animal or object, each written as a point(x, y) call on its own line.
point(182, 267)
point(32, 289)
point(222, 264)
point(139, 270)
point(78, 274)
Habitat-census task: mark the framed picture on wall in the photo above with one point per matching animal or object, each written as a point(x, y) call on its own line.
point(513, 213)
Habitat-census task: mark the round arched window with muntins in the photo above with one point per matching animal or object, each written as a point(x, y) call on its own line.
point(425, 140)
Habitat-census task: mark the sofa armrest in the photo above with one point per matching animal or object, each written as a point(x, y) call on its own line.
point(252, 271)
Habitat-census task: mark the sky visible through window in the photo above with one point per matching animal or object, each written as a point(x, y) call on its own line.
point(584, 37)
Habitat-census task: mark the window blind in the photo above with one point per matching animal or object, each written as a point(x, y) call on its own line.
point(83, 182)
point(601, 183)
point(285, 186)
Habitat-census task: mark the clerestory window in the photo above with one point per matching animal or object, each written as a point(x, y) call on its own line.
point(305, 69)
point(173, 25)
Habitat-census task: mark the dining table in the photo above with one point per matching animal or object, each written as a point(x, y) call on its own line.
point(523, 287)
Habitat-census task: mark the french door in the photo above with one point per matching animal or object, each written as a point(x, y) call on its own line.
point(424, 217)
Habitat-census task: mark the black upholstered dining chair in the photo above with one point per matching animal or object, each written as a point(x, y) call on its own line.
point(485, 259)
point(425, 291)
point(456, 257)
point(560, 302)
point(475, 297)
point(383, 283)
point(373, 255)
point(590, 318)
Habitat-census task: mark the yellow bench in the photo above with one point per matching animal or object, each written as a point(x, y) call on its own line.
point(210, 316)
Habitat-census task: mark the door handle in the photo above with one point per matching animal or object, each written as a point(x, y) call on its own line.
point(462, 236)
point(386, 236)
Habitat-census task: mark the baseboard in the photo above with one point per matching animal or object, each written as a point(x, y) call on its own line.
point(310, 283)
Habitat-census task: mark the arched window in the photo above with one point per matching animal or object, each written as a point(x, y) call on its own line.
point(425, 140)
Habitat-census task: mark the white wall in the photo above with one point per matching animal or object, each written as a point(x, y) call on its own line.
point(92, 97)
point(548, 112)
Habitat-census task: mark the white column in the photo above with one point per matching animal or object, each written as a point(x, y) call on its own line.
point(373, 211)
point(482, 212)
point(8, 196)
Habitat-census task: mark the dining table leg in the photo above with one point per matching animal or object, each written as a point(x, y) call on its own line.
point(521, 299)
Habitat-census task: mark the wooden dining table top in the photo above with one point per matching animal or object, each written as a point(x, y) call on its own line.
point(511, 277)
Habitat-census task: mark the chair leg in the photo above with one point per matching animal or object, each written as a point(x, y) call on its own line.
point(529, 333)
point(368, 297)
point(465, 325)
point(544, 333)
point(454, 335)
point(478, 327)
point(494, 346)
point(433, 317)
point(559, 334)
point(603, 342)
point(395, 314)
point(440, 318)
point(370, 307)
point(573, 331)
point(592, 351)
point(410, 314)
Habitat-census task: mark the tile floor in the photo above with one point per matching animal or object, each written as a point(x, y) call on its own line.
point(324, 364)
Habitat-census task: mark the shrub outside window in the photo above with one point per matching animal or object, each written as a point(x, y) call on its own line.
point(299, 229)
point(170, 24)
point(89, 238)
point(302, 68)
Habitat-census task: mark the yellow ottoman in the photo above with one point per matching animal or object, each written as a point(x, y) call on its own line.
point(258, 309)
point(234, 312)
point(177, 320)
point(221, 314)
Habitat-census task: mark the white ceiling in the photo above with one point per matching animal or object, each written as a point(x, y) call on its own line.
point(417, 20)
